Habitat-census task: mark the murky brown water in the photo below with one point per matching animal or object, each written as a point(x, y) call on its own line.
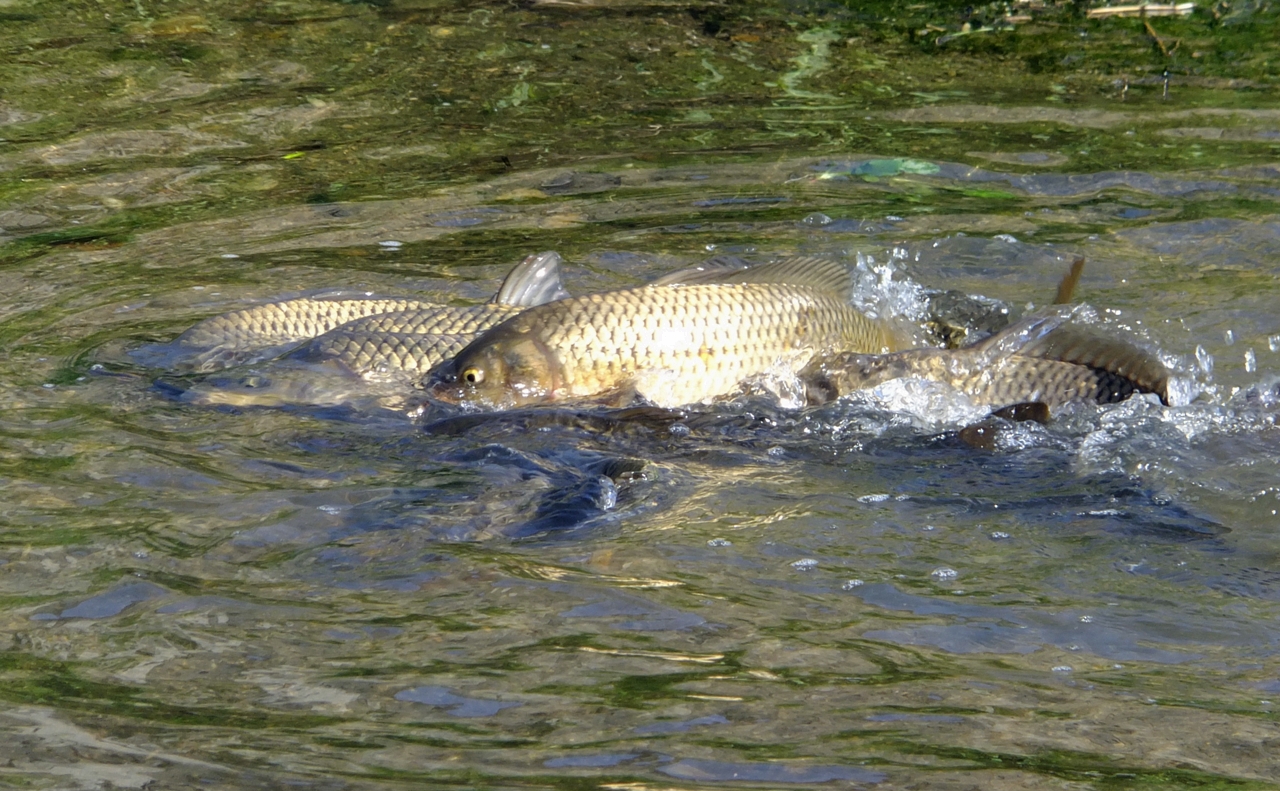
point(751, 596)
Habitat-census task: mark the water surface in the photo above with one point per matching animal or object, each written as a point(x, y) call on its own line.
point(744, 595)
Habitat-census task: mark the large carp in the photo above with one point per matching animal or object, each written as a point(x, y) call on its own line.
point(684, 339)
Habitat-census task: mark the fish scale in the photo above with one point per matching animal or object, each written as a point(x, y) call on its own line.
point(1038, 359)
point(392, 354)
point(677, 344)
point(264, 331)
point(238, 335)
point(280, 322)
point(469, 320)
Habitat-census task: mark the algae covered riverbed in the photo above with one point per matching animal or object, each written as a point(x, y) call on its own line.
point(749, 596)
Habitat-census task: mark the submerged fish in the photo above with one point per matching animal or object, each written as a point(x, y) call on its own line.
point(265, 331)
point(1042, 358)
point(687, 338)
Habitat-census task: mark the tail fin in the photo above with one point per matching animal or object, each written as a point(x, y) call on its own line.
point(1051, 335)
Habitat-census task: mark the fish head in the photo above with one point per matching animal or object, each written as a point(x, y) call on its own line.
point(501, 369)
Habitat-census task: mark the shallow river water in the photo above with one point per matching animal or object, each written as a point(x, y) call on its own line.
point(745, 595)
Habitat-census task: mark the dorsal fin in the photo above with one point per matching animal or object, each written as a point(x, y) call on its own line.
point(1067, 285)
point(824, 274)
point(533, 281)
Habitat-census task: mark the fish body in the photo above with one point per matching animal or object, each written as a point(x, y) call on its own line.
point(275, 323)
point(376, 356)
point(1042, 359)
point(673, 343)
point(351, 363)
point(385, 355)
point(265, 331)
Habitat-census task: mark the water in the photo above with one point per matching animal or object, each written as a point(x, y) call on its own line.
point(739, 595)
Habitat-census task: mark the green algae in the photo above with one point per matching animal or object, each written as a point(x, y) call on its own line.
point(38, 681)
point(451, 94)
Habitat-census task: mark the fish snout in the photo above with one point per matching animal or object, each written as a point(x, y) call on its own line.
point(441, 383)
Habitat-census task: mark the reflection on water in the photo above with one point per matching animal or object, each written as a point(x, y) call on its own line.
point(368, 592)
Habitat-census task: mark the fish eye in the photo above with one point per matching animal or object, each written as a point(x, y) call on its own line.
point(473, 375)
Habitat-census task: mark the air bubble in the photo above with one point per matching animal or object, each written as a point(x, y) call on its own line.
point(1062, 668)
point(944, 574)
point(817, 219)
point(1273, 343)
point(1229, 336)
point(999, 535)
point(391, 244)
point(719, 542)
point(1250, 361)
point(851, 584)
point(1086, 619)
point(805, 564)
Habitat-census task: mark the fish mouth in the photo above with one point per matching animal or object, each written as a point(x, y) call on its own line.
point(441, 383)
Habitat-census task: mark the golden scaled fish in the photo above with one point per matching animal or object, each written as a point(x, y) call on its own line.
point(686, 338)
point(384, 355)
point(374, 358)
point(265, 331)
point(1044, 358)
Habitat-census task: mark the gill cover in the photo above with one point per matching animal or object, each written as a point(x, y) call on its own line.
point(502, 368)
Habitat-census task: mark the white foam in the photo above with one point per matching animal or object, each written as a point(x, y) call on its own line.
point(882, 290)
point(930, 405)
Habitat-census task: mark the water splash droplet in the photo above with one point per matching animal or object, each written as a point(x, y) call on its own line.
point(1204, 360)
point(1250, 361)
